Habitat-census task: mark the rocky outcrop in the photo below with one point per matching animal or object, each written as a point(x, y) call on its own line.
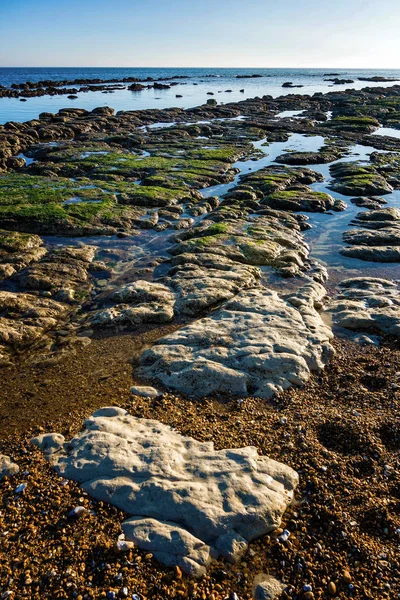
point(367, 304)
point(17, 251)
point(189, 501)
point(135, 304)
point(379, 238)
point(24, 318)
point(256, 344)
point(358, 179)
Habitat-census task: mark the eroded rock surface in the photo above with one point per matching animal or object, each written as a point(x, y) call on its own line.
point(257, 344)
point(378, 238)
point(190, 501)
point(367, 304)
point(136, 303)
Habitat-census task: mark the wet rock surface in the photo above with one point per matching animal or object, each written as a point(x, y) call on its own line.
point(378, 238)
point(146, 469)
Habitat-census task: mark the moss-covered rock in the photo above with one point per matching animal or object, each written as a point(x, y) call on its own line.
point(358, 179)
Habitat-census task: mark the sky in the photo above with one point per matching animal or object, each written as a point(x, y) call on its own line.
point(200, 33)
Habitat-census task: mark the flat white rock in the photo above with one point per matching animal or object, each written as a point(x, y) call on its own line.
point(145, 391)
point(257, 344)
point(190, 501)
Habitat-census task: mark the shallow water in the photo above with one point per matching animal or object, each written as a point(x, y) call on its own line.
point(194, 89)
point(390, 131)
point(325, 237)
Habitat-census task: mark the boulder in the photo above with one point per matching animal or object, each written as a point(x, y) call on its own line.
point(189, 501)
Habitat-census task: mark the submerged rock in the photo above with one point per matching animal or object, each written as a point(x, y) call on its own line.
point(256, 344)
point(189, 501)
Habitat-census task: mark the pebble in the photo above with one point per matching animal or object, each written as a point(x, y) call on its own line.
point(20, 488)
point(346, 577)
point(285, 535)
point(307, 596)
point(76, 512)
point(331, 588)
point(123, 546)
point(177, 573)
point(124, 592)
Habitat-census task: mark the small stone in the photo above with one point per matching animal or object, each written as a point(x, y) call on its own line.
point(331, 588)
point(20, 488)
point(76, 512)
point(307, 596)
point(124, 592)
point(144, 391)
point(346, 577)
point(177, 573)
point(122, 546)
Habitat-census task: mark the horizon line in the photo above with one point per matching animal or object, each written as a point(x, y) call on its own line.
point(193, 67)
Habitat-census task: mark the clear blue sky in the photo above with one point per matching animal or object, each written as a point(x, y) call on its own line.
point(203, 33)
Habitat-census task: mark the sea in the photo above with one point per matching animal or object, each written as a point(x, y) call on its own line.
point(194, 89)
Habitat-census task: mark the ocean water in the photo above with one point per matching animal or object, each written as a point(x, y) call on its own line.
point(193, 90)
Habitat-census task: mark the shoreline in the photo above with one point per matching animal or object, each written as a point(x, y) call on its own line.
point(196, 229)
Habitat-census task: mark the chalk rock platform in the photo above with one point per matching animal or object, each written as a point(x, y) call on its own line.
point(367, 304)
point(258, 344)
point(189, 501)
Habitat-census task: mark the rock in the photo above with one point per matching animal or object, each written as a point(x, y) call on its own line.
point(136, 303)
point(76, 512)
point(358, 179)
point(24, 318)
point(267, 587)
point(144, 391)
point(189, 501)
point(18, 250)
point(373, 253)
point(7, 467)
point(170, 544)
point(302, 199)
point(367, 304)
point(49, 443)
point(256, 344)
point(381, 237)
point(66, 268)
point(331, 588)
point(370, 203)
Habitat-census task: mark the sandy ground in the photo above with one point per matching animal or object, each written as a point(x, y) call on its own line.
point(339, 432)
